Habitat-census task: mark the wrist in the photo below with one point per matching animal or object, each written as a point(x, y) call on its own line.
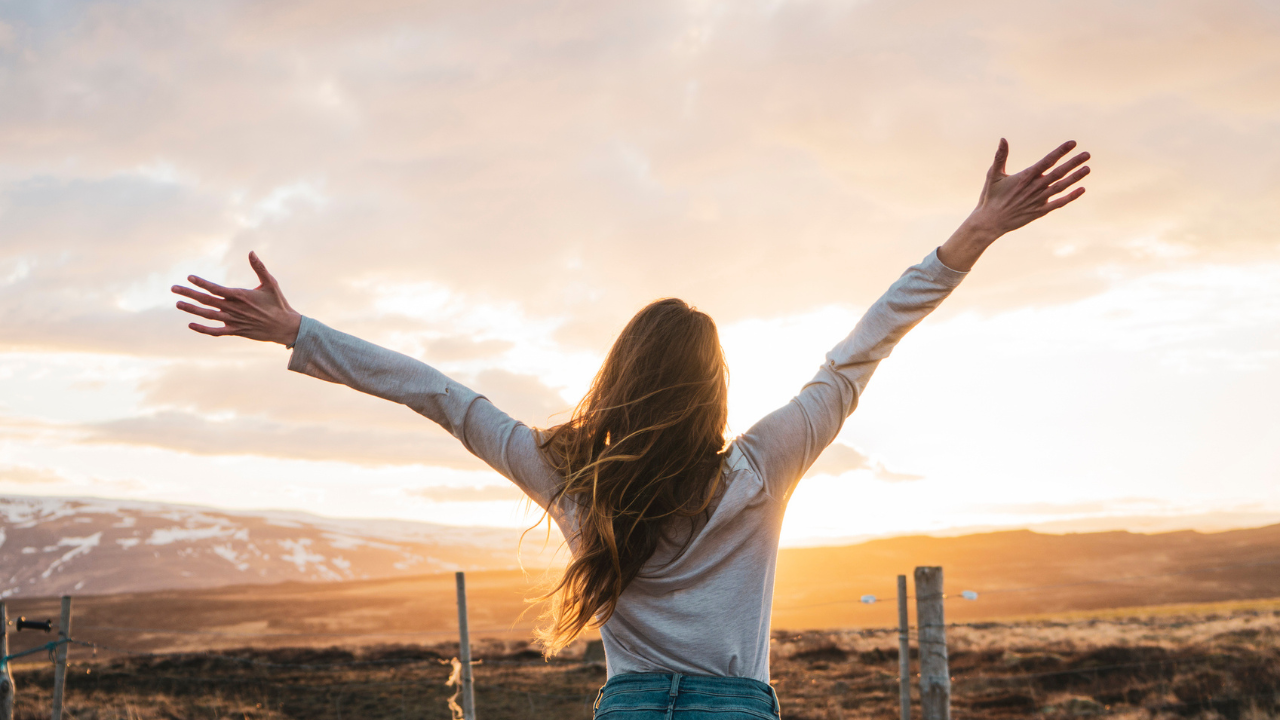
point(966, 244)
point(976, 230)
point(289, 337)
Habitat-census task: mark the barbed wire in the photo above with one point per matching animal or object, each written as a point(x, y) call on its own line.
point(352, 684)
point(49, 646)
point(253, 661)
point(885, 679)
point(223, 633)
point(962, 681)
point(259, 681)
point(315, 666)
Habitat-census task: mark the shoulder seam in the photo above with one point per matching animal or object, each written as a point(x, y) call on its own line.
point(743, 462)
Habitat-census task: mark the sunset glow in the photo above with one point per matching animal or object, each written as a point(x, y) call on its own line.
point(495, 188)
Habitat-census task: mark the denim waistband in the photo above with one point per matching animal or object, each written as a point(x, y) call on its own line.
point(676, 683)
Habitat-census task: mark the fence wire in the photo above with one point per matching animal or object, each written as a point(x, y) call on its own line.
point(885, 680)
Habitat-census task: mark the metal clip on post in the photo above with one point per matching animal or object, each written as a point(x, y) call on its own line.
point(25, 624)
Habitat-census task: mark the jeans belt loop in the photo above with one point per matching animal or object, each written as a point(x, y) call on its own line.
point(672, 694)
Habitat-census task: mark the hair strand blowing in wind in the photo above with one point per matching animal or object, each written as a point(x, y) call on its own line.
point(641, 449)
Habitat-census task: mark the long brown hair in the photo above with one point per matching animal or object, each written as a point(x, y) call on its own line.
point(641, 449)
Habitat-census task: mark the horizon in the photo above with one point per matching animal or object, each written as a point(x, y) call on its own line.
point(1205, 524)
point(496, 192)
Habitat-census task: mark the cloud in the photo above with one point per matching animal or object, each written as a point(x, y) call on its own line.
point(1214, 54)
point(28, 475)
point(464, 348)
point(264, 388)
point(1094, 507)
point(524, 397)
point(839, 458)
point(259, 408)
point(583, 163)
point(53, 480)
point(187, 432)
point(487, 493)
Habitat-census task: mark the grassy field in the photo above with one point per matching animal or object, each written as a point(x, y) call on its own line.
point(1196, 661)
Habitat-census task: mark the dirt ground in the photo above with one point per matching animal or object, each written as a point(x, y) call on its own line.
point(1207, 662)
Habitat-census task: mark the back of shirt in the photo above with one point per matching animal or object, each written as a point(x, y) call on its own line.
point(704, 610)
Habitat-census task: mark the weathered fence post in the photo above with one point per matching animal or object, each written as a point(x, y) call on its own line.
point(7, 689)
point(464, 651)
point(60, 669)
point(904, 651)
point(935, 677)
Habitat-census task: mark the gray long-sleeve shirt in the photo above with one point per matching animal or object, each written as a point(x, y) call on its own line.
point(707, 610)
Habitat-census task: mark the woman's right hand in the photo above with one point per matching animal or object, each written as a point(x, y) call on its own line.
point(258, 314)
point(1008, 202)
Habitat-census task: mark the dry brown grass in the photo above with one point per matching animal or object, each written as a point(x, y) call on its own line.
point(1206, 662)
point(1203, 661)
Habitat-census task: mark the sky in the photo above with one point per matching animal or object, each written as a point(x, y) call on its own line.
point(495, 188)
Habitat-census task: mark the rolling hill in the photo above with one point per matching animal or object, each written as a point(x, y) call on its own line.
point(52, 546)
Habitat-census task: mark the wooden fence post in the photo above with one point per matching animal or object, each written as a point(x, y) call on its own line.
point(60, 669)
point(464, 651)
point(904, 651)
point(7, 688)
point(935, 677)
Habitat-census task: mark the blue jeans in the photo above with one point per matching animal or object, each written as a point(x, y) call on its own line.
point(674, 696)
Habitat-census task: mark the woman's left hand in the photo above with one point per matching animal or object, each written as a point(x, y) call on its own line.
point(258, 314)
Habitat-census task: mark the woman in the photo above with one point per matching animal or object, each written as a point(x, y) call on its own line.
point(673, 533)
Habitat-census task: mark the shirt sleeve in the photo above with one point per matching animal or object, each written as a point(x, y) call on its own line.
point(508, 446)
point(786, 442)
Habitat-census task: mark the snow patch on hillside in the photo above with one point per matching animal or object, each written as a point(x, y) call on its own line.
point(299, 553)
point(348, 542)
point(79, 546)
point(166, 536)
point(228, 553)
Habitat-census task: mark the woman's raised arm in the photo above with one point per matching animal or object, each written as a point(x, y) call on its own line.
point(785, 443)
point(508, 446)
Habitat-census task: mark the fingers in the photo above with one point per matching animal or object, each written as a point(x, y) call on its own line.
point(202, 312)
point(209, 300)
point(1061, 185)
point(205, 330)
point(258, 267)
point(1002, 156)
point(1052, 158)
point(1066, 167)
point(212, 287)
point(1050, 207)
